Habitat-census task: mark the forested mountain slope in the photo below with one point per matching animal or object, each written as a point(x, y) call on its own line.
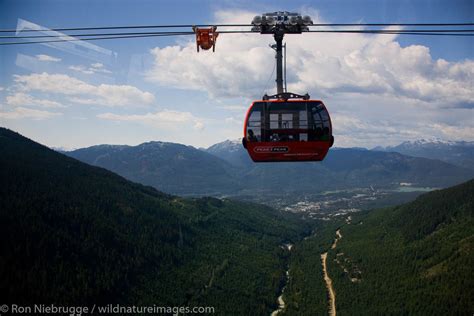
point(75, 234)
point(414, 259)
point(168, 167)
point(459, 153)
point(225, 169)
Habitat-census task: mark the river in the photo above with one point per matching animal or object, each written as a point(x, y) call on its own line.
point(280, 300)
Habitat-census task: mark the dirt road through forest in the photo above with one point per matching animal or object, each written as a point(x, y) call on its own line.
point(327, 279)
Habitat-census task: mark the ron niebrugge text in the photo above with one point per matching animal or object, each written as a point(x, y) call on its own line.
point(49, 309)
point(107, 309)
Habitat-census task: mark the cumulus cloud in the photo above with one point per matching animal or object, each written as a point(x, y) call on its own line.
point(322, 64)
point(165, 118)
point(386, 68)
point(23, 99)
point(352, 131)
point(238, 67)
point(27, 113)
point(42, 57)
point(85, 93)
point(376, 90)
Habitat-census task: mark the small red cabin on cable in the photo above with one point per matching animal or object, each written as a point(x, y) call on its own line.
point(287, 130)
point(206, 37)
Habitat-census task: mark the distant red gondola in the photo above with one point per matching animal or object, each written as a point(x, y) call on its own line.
point(287, 130)
point(206, 37)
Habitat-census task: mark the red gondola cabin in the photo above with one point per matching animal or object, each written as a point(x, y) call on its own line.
point(287, 130)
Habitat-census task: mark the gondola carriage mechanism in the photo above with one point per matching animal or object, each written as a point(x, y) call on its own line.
point(287, 130)
point(286, 126)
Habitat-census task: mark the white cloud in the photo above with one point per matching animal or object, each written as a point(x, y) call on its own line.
point(351, 131)
point(81, 69)
point(385, 68)
point(376, 90)
point(97, 65)
point(322, 64)
point(85, 93)
point(26, 113)
point(23, 99)
point(239, 67)
point(453, 132)
point(47, 58)
point(165, 118)
point(93, 69)
point(2, 88)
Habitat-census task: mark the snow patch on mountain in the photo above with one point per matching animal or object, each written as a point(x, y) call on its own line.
point(426, 142)
point(227, 145)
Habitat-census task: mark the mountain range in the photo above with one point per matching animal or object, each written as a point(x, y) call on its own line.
point(225, 169)
point(169, 167)
point(459, 153)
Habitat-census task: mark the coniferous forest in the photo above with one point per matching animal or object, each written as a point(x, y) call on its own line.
point(76, 234)
point(414, 259)
point(73, 234)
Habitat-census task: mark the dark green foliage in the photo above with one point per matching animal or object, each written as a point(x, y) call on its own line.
point(415, 259)
point(76, 234)
point(306, 292)
point(431, 210)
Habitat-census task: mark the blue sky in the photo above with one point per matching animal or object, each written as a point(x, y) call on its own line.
point(380, 90)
